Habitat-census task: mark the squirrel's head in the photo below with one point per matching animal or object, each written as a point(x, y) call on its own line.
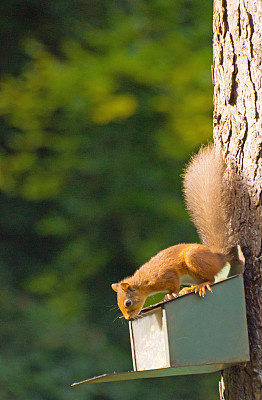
point(129, 299)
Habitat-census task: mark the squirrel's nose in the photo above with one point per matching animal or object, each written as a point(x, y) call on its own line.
point(129, 318)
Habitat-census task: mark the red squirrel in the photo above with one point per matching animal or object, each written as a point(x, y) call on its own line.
point(206, 200)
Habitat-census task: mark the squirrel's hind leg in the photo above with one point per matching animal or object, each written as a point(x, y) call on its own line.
point(204, 265)
point(200, 289)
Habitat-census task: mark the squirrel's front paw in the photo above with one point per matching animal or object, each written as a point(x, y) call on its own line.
point(170, 296)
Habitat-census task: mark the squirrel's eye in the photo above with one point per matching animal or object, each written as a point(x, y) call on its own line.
point(128, 303)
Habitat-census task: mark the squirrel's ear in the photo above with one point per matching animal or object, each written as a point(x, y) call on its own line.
point(115, 286)
point(125, 286)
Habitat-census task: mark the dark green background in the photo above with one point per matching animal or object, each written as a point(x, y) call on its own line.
point(102, 103)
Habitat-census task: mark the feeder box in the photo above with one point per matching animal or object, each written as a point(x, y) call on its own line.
point(188, 335)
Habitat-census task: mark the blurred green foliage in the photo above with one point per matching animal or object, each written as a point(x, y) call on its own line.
point(101, 103)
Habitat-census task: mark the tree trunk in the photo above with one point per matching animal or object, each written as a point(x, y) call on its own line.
point(237, 78)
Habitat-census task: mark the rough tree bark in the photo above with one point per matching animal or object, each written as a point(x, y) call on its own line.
point(237, 78)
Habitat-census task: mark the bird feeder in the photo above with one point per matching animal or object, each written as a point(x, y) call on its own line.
point(188, 335)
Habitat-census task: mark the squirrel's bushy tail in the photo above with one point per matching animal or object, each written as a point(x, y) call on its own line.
point(206, 198)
